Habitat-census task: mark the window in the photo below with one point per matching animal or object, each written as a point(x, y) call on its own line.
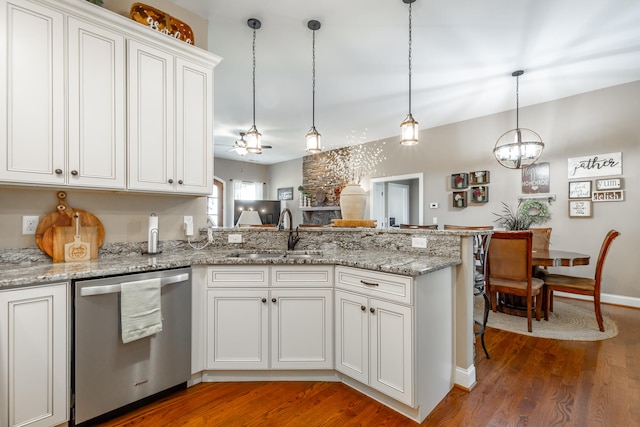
point(246, 190)
point(215, 205)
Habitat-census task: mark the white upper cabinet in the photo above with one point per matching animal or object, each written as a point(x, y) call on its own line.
point(32, 99)
point(97, 109)
point(95, 100)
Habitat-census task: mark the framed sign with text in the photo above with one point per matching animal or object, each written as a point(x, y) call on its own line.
point(580, 190)
point(597, 165)
point(285, 193)
point(535, 178)
point(580, 208)
point(609, 184)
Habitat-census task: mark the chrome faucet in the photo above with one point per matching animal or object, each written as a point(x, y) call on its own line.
point(293, 240)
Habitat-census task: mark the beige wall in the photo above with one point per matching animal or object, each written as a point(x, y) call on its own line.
point(198, 24)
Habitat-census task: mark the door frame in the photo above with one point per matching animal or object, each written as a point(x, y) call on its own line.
point(372, 199)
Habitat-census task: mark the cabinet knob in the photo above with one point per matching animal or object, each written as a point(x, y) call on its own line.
point(373, 310)
point(264, 300)
point(180, 182)
point(58, 171)
point(74, 173)
point(363, 308)
point(170, 181)
point(273, 300)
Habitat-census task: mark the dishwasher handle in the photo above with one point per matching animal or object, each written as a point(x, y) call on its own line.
point(115, 288)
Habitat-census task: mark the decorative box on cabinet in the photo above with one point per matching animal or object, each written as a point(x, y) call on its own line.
point(33, 362)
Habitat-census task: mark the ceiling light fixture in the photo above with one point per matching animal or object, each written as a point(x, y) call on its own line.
point(519, 147)
point(241, 145)
point(254, 138)
point(409, 127)
point(313, 136)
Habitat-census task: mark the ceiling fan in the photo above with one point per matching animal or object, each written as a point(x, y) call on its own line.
point(240, 146)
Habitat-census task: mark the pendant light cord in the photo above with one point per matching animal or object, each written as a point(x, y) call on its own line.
point(517, 102)
point(313, 85)
point(410, 16)
point(254, 77)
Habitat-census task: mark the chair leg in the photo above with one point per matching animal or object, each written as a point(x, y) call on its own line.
point(596, 302)
point(550, 305)
point(529, 314)
point(484, 323)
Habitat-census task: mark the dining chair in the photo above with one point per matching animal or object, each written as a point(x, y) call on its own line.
point(510, 271)
point(480, 250)
point(541, 240)
point(424, 227)
point(583, 285)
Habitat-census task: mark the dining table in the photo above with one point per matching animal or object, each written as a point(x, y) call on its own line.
point(516, 305)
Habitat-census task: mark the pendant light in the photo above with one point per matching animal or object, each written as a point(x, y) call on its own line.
point(254, 138)
point(409, 127)
point(519, 147)
point(313, 136)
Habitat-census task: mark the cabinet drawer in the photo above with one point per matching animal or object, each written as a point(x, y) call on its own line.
point(238, 276)
point(302, 276)
point(381, 285)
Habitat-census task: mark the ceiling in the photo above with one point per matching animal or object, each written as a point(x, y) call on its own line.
point(464, 52)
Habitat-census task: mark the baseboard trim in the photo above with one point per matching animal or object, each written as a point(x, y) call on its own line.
point(605, 299)
point(465, 378)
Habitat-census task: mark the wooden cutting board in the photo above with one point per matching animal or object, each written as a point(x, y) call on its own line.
point(353, 222)
point(65, 235)
point(63, 217)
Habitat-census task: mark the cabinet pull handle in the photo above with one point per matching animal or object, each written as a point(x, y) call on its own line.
point(369, 283)
point(264, 300)
point(273, 300)
point(373, 310)
point(180, 182)
point(363, 308)
point(58, 171)
point(74, 172)
point(170, 181)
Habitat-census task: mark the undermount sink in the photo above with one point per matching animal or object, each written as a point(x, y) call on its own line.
point(255, 255)
point(302, 256)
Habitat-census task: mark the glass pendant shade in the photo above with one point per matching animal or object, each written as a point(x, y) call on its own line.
point(313, 141)
point(409, 131)
point(254, 140)
point(518, 148)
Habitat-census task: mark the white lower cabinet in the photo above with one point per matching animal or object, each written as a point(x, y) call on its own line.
point(34, 363)
point(374, 344)
point(253, 324)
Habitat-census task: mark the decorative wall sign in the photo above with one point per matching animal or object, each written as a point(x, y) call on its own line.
point(161, 22)
point(608, 196)
point(535, 178)
point(285, 193)
point(609, 184)
point(478, 177)
point(459, 180)
point(580, 208)
point(597, 165)
point(580, 190)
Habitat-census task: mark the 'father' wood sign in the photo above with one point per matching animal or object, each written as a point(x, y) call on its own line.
point(598, 165)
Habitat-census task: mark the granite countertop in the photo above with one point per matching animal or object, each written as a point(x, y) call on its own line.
point(36, 273)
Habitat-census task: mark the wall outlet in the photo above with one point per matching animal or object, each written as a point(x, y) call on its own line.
point(235, 238)
point(435, 220)
point(418, 242)
point(29, 224)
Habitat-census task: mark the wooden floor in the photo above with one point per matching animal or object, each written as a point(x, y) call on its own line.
point(527, 382)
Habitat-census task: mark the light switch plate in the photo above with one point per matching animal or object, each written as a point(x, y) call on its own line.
point(433, 205)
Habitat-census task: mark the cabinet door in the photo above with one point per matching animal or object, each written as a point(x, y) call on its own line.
point(301, 329)
point(97, 137)
point(33, 356)
point(392, 350)
point(32, 104)
point(237, 329)
point(151, 118)
point(352, 335)
point(194, 128)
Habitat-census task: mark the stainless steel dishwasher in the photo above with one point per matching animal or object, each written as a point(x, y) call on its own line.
point(107, 374)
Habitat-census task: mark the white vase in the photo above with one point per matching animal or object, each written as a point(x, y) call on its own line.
point(353, 201)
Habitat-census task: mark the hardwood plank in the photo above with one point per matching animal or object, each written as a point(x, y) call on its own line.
point(527, 382)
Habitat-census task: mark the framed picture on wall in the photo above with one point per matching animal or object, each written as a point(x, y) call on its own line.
point(580, 208)
point(285, 193)
point(580, 190)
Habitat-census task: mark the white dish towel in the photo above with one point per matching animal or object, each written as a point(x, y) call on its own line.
point(140, 311)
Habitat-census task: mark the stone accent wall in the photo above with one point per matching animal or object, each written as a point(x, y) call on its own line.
point(316, 178)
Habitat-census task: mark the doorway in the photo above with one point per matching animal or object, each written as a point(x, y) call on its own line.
point(399, 197)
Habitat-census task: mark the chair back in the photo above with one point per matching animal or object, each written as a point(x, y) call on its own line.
point(510, 256)
point(541, 238)
point(468, 227)
point(423, 227)
point(604, 250)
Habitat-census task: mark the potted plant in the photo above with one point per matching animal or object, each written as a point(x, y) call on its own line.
point(529, 212)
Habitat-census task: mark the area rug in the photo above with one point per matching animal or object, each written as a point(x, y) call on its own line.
point(567, 322)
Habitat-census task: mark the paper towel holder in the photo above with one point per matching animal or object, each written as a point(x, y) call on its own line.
point(153, 236)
